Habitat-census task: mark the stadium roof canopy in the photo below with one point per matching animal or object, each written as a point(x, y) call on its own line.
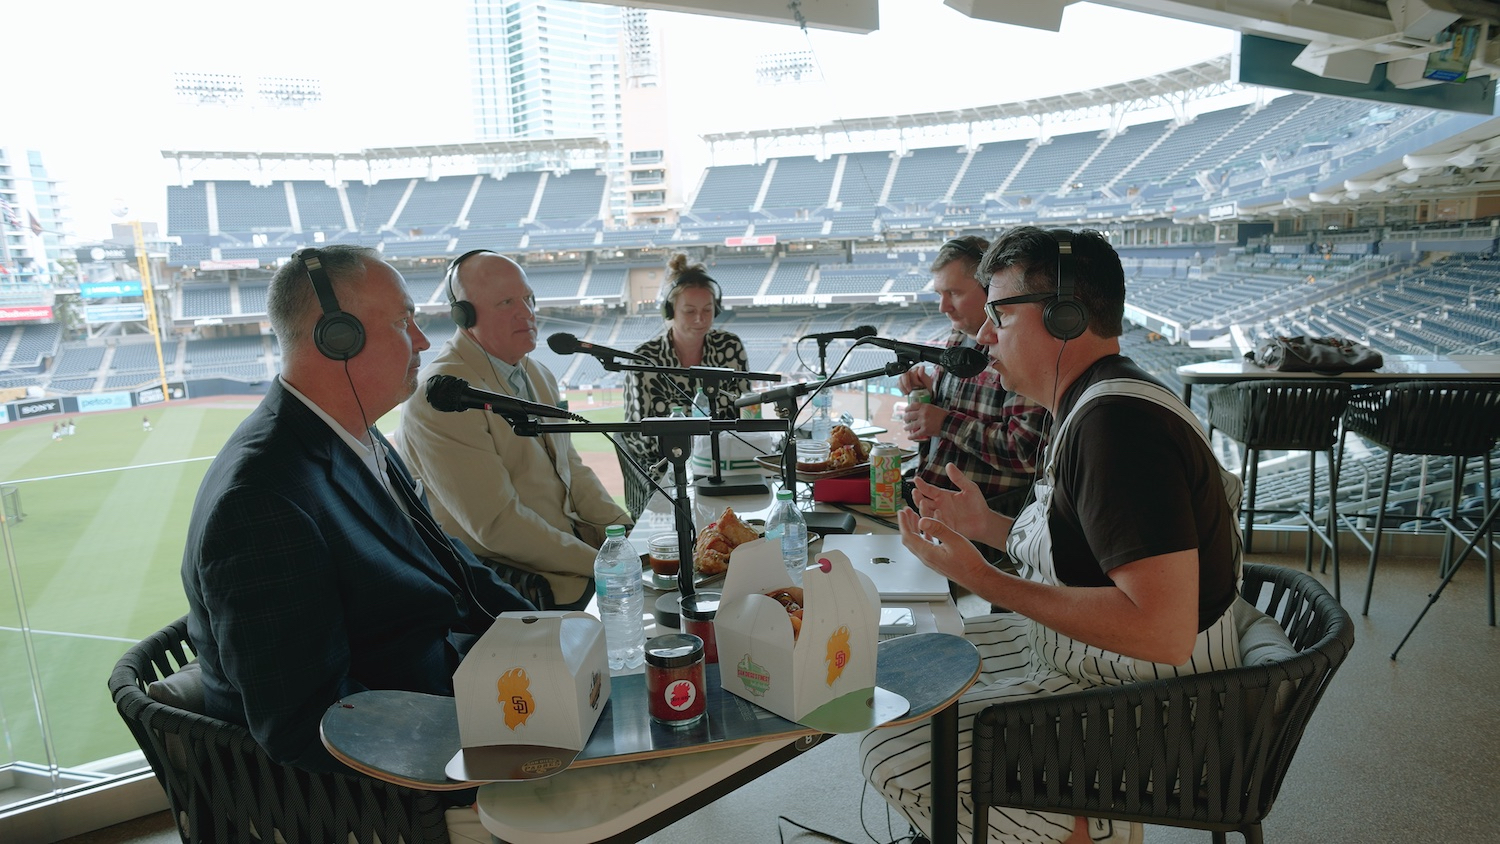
point(527, 146)
point(1205, 78)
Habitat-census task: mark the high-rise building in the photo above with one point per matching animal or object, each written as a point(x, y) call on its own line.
point(33, 218)
point(548, 69)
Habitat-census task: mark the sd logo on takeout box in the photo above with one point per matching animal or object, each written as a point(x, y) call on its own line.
point(528, 695)
point(824, 677)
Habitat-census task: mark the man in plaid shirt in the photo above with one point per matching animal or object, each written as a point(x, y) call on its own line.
point(989, 434)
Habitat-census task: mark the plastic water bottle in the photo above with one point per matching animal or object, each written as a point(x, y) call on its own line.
point(822, 422)
point(787, 525)
point(617, 580)
point(701, 406)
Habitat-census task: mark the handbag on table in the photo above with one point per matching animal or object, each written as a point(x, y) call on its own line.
point(1324, 355)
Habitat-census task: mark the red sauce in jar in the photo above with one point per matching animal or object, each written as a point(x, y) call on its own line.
point(698, 611)
point(675, 687)
point(661, 553)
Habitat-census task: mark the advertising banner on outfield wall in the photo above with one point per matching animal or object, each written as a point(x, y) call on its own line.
point(29, 312)
point(154, 395)
point(127, 312)
point(104, 401)
point(32, 409)
point(110, 290)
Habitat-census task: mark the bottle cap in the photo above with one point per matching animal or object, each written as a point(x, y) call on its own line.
point(783, 495)
point(615, 530)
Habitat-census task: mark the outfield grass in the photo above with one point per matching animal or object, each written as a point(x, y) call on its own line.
point(97, 558)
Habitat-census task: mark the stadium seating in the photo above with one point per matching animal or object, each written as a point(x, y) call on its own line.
point(243, 207)
point(503, 202)
point(799, 183)
point(434, 204)
point(572, 200)
point(318, 207)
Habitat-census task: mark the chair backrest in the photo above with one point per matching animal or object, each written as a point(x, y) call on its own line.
point(1448, 418)
point(1279, 416)
point(1207, 751)
point(222, 787)
point(637, 491)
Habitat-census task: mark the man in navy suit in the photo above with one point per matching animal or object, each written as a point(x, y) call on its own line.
point(313, 568)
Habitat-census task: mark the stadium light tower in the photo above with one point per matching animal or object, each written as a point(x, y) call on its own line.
point(143, 263)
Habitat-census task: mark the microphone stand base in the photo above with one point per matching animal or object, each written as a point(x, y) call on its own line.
point(732, 485)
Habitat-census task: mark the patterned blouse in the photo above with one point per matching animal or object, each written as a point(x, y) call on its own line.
point(652, 394)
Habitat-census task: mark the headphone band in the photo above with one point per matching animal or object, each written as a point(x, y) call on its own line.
point(452, 271)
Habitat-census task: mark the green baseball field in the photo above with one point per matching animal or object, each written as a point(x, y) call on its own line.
point(93, 535)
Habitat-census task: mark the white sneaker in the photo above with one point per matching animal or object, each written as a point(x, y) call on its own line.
point(1106, 831)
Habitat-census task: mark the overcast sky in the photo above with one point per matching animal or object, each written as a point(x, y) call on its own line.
point(89, 83)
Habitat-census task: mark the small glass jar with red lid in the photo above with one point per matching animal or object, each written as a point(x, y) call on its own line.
point(674, 679)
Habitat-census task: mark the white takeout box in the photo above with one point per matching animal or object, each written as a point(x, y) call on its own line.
point(832, 658)
point(528, 695)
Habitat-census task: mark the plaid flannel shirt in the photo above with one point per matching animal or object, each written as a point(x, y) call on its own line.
point(995, 437)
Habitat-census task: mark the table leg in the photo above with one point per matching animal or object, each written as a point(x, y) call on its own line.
point(945, 775)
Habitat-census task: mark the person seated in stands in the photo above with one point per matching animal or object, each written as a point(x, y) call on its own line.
point(993, 435)
point(1129, 552)
point(691, 302)
point(312, 567)
point(526, 505)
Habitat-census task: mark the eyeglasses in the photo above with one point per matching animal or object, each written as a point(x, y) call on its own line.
point(992, 309)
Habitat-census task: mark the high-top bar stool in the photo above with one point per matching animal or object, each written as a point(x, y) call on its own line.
point(1457, 419)
point(1285, 416)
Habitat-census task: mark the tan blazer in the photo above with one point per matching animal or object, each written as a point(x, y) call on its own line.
point(501, 494)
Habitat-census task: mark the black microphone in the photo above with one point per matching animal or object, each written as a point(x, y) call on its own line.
point(567, 344)
point(959, 361)
point(450, 394)
point(846, 334)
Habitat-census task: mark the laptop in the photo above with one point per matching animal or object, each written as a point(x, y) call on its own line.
point(898, 575)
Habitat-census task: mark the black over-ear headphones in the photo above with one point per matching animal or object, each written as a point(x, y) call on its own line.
point(1065, 316)
point(338, 335)
point(667, 310)
point(461, 310)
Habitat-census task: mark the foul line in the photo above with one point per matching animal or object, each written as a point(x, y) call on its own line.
point(71, 635)
point(103, 471)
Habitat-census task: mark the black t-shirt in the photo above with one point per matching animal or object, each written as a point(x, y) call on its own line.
point(1133, 481)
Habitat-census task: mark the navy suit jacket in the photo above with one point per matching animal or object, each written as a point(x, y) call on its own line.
point(306, 582)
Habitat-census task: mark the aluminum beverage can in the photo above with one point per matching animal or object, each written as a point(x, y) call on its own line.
point(919, 397)
point(885, 479)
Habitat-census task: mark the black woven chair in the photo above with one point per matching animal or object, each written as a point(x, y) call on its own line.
point(1206, 751)
point(637, 490)
point(1457, 419)
point(223, 788)
point(1285, 416)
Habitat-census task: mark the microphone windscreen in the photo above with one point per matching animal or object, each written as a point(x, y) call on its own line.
point(864, 331)
point(964, 362)
point(563, 343)
point(445, 392)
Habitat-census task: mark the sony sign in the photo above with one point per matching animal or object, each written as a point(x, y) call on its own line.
point(33, 409)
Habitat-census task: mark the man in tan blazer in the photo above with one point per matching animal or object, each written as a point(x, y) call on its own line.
point(524, 502)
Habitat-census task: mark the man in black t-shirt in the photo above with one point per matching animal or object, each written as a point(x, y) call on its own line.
point(1128, 554)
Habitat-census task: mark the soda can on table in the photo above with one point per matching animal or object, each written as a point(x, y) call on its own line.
point(885, 479)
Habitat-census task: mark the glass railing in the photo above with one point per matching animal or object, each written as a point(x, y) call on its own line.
point(93, 531)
